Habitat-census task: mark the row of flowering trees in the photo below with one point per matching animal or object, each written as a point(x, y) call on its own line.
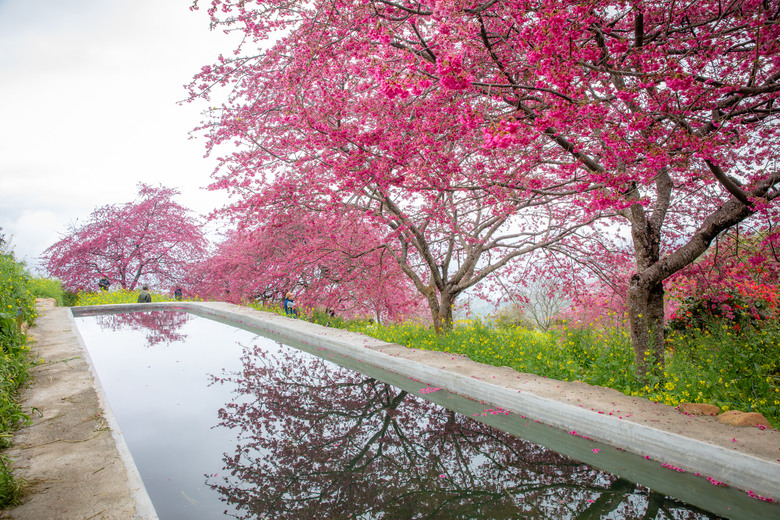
point(387, 153)
point(474, 132)
point(340, 265)
point(153, 240)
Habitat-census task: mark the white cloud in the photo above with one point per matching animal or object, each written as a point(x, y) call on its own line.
point(89, 102)
point(31, 233)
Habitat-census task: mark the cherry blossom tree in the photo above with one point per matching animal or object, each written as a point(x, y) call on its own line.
point(452, 212)
point(664, 111)
point(444, 246)
point(325, 259)
point(152, 239)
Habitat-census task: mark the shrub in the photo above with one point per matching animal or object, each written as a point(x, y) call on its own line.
point(730, 306)
point(513, 316)
point(736, 280)
point(70, 298)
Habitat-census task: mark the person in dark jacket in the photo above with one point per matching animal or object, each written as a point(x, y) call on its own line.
point(144, 296)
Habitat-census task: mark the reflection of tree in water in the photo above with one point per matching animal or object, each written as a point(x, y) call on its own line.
point(160, 326)
point(318, 441)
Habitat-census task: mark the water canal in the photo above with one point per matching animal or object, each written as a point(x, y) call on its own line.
point(223, 422)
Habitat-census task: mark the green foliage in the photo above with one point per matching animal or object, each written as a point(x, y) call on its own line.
point(734, 369)
point(70, 298)
point(47, 288)
point(17, 305)
point(513, 316)
point(114, 297)
point(729, 306)
point(321, 317)
point(13, 373)
point(10, 489)
point(276, 309)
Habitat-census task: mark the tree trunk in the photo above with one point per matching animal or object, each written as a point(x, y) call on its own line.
point(646, 293)
point(445, 310)
point(646, 327)
point(433, 305)
point(441, 309)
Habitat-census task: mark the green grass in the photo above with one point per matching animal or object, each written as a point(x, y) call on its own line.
point(47, 288)
point(10, 488)
point(13, 373)
point(736, 370)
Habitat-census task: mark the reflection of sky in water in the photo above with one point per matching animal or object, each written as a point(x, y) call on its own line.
point(167, 408)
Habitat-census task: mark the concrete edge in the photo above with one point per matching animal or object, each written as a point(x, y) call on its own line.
point(735, 469)
point(143, 503)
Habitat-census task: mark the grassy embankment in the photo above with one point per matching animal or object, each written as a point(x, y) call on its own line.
point(735, 371)
point(731, 367)
point(17, 306)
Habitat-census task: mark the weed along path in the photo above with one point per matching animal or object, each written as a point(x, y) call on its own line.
point(73, 462)
point(77, 466)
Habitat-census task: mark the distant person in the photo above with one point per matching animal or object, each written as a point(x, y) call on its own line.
point(331, 314)
point(104, 282)
point(177, 294)
point(289, 305)
point(144, 296)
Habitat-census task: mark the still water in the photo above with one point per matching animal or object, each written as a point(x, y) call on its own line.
point(222, 422)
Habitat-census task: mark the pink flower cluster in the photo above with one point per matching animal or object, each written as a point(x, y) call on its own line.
point(491, 411)
point(752, 494)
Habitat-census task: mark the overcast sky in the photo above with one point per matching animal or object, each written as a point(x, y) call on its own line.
point(89, 92)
